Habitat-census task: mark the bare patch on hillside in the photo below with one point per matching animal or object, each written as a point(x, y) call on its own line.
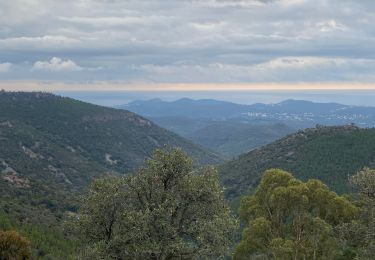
point(6, 124)
point(109, 160)
point(12, 176)
point(58, 174)
point(31, 153)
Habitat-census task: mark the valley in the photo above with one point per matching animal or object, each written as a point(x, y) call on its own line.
point(187, 130)
point(53, 147)
point(232, 129)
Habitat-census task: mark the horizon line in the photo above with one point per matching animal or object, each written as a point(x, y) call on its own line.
point(53, 85)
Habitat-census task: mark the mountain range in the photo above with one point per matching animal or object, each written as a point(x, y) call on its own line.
point(291, 111)
point(232, 129)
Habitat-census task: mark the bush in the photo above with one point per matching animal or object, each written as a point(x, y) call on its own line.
point(13, 246)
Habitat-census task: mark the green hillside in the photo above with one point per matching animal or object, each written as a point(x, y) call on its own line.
point(330, 154)
point(232, 138)
point(51, 147)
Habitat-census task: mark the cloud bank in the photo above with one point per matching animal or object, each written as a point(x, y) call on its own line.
point(188, 40)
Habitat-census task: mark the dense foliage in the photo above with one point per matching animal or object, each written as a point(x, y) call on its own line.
point(167, 211)
point(14, 246)
point(46, 241)
point(290, 219)
point(232, 138)
point(360, 233)
point(330, 154)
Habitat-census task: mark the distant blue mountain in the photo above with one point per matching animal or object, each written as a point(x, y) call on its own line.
point(294, 112)
point(232, 129)
point(203, 108)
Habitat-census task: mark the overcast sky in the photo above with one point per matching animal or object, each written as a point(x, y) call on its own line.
point(188, 40)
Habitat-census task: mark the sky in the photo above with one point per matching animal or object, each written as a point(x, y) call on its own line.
point(188, 41)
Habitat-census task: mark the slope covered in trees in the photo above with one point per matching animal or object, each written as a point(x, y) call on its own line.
point(233, 138)
point(330, 154)
point(289, 219)
point(52, 147)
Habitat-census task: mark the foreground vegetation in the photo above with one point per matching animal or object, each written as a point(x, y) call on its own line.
point(167, 211)
point(170, 210)
point(45, 241)
point(290, 219)
point(360, 233)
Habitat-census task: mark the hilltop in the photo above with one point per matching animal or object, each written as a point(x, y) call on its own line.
point(329, 154)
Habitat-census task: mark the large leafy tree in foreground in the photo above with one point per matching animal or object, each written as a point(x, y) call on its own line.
point(290, 219)
point(167, 211)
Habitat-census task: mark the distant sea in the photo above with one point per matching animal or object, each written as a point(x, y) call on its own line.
point(114, 98)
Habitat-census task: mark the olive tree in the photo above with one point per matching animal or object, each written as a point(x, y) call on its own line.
point(168, 210)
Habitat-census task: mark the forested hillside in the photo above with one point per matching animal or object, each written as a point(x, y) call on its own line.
point(52, 147)
point(330, 154)
point(233, 138)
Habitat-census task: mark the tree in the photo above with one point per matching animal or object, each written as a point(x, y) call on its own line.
point(13, 246)
point(167, 211)
point(360, 233)
point(291, 219)
point(364, 182)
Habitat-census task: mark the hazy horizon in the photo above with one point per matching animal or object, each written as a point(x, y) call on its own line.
point(114, 98)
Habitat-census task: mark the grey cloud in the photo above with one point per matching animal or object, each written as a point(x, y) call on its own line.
point(5, 67)
point(285, 69)
point(168, 40)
